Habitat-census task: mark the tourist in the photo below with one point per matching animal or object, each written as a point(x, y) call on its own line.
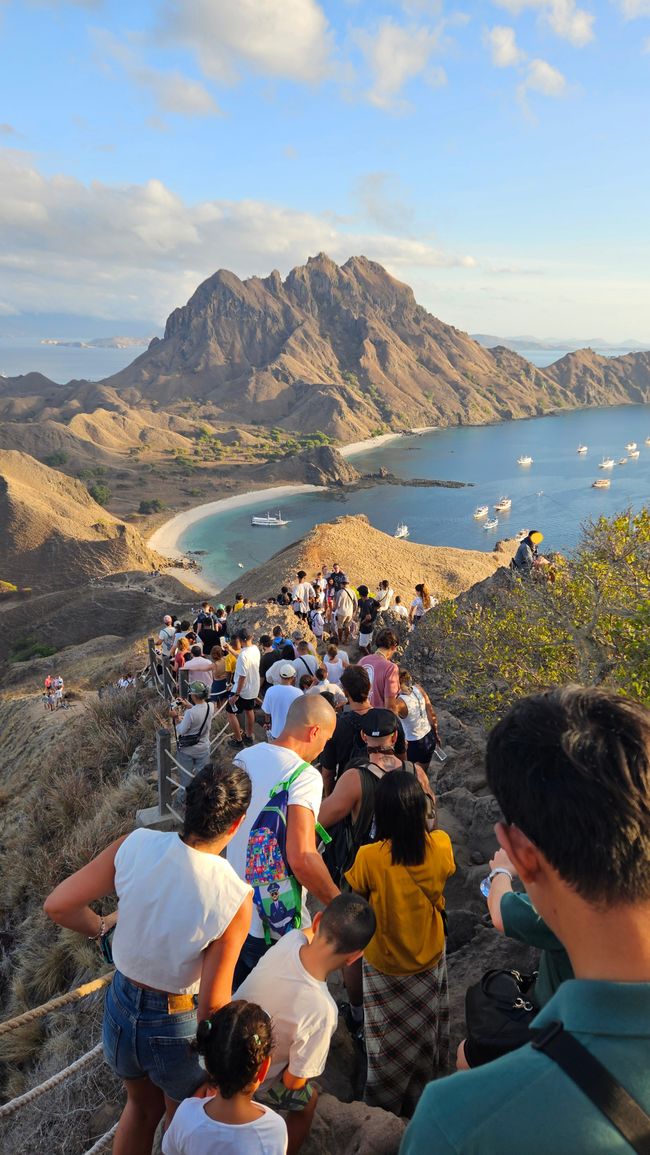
point(219, 687)
point(192, 728)
point(239, 603)
point(399, 609)
point(181, 630)
point(337, 577)
point(305, 683)
point(204, 615)
point(322, 685)
point(246, 688)
point(422, 602)
point(301, 594)
point(334, 665)
point(268, 655)
point(290, 983)
point(570, 770)
point(527, 556)
point(419, 721)
point(330, 598)
point(167, 636)
point(278, 699)
point(383, 671)
point(181, 653)
point(345, 608)
point(310, 722)
point(305, 661)
point(236, 1045)
point(199, 668)
point(279, 639)
point(346, 740)
point(405, 1000)
point(320, 585)
point(284, 597)
point(316, 620)
point(286, 654)
point(515, 916)
point(181, 920)
point(208, 634)
point(385, 596)
point(368, 610)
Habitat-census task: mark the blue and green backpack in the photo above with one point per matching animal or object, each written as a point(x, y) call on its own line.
point(277, 894)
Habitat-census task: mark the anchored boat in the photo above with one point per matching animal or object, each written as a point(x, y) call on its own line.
point(601, 483)
point(582, 448)
point(503, 504)
point(269, 521)
point(607, 463)
point(402, 530)
point(524, 460)
point(492, 523)
point(481, 511)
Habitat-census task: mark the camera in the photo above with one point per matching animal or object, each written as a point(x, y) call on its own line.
point(177, 704)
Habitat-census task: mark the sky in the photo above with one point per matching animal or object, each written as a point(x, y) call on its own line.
point(494, 154)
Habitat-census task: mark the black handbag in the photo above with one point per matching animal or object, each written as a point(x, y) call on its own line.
point(185, 740)
point(498, 1013)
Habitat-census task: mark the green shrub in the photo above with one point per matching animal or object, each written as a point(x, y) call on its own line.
point(153, 506)
point(100, 493)
point(26, 648)
point(56, 459)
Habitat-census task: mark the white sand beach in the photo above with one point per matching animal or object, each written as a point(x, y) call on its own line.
point(374, 442)
point(165, 539)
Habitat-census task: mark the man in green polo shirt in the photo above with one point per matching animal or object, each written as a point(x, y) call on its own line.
point(571, 772)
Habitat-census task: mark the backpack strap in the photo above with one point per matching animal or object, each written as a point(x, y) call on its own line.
point(596, 1082)
point(287, 783)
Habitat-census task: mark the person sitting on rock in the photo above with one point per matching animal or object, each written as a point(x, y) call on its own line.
point(290, 984)
point(527, 555)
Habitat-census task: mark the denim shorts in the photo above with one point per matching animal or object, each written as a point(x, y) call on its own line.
point(141, 1039)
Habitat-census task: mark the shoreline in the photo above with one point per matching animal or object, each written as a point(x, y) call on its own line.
point(374, 442)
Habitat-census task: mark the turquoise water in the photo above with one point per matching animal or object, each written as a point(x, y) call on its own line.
point(554, 494)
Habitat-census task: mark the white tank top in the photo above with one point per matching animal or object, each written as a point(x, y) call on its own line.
point(415, 724)
point(174, 901)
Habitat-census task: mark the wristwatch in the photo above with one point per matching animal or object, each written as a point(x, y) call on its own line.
point(486, 884)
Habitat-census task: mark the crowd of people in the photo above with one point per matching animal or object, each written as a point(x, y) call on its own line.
point(53, 696)
point(219, 1016)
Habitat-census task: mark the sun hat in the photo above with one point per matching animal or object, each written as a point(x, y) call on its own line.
point(378, 723)
point(287, 671)
point(198, 688)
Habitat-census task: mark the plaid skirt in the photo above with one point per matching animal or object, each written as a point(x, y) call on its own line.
point(406, 1026)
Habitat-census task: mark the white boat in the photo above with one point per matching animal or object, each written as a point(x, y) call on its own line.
point(631, 445)
point(402, 530)
point(582, 448)
point(522, 534)
point(269, 520)
point(634, 452)
point(622, 461)
point(525, 460)
point(602, 483)
point(481, 511)
point(492, 523)
point(503, 504)
point(647, 440)
point(607, 463)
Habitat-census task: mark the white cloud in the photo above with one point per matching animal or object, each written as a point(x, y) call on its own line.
point(172, 91)
point(281, 38)
point(108, 249)
point(563, 16)
point(502, 43)
point(543, 77)
point(395, 54)
point(634, 9)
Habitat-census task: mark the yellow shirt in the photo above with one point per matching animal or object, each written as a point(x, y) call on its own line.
point(237, 606)
point(231, 662)
point(407, 901)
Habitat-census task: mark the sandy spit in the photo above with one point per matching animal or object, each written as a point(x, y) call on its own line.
point(165, 539)
point(374, 442)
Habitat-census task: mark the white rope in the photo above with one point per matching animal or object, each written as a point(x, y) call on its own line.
point(103, 1143)
point(56, 1003)
point(36, 1092)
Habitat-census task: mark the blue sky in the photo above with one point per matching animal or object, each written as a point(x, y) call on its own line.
point(494, 154)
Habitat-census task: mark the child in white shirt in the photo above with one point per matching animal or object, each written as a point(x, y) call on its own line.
point(236, 1044)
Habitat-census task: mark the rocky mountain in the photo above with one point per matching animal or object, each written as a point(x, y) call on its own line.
point(52, 533)
point(592, 379)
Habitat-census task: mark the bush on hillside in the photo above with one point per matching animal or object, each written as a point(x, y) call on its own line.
point(153, 506)
point(56, 459)
point(100, 493)
point(26, 648)
point(589, 625)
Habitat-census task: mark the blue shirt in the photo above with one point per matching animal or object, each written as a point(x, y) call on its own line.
point(524, 1104)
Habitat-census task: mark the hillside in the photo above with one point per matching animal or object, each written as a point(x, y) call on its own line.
point(52, 533)
point(367, 554)
point(596, 380)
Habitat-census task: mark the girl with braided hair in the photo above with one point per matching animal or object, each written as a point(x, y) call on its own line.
point(235, 1044)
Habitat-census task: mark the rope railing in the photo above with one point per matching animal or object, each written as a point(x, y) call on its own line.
point(55, 1004)
point(104, 1142)
point(22, 1100)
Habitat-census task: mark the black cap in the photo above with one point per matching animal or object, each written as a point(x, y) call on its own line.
point(244, 635)
point(378, 723)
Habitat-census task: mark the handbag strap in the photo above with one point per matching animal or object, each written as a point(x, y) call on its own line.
point(207, 715)
point(596, 1082)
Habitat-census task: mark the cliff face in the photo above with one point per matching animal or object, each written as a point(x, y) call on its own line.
point(344, 349)
point(595, 380)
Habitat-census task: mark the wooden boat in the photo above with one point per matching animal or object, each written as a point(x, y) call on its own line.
point(503, 504)
point(481, 511)
point(601, 483)
point(269, 521)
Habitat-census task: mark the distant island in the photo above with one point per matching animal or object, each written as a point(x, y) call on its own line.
point(527, 344)
point(99, 342)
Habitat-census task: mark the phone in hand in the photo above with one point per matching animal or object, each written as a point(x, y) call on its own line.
point(439, 753)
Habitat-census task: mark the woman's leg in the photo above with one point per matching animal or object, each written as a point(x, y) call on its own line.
point(145, 1107)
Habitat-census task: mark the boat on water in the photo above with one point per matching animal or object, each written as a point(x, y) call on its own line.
point(492, 523)
point(634, 452)
point(607, 463)
point(525, 459)
point(622, 461)
point(402, 530)
point(522, 534)
point(647, 440)
point(631, 445)
point(269, 521)
point(481, 511)
point(601, 483)
point(582, 448)
point(503, 504)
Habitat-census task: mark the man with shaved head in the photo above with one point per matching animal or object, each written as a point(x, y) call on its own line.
point(309, 724)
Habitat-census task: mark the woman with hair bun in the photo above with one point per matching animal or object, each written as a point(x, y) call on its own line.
point(182, 919)
point(235, 1045)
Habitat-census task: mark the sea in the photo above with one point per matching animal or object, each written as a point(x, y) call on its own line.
point(553, 495)
point(62, 363)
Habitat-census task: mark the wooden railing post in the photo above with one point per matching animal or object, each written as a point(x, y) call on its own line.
point(163, 766)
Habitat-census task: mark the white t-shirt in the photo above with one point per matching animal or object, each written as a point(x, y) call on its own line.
point(248, 667)
point(334, 670)
point(328, 687)
point(266, 766)
point(384, 598)
point(303, 1011)
point(303, 664)
point(193, 1132)
point(276, 703)
point(200, 670)
point(174, 901)
point(301, 593)
point(167, 636)
point(416, 723)
point(400, 610)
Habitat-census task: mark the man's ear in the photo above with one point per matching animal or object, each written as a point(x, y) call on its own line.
point(315, 922)
point(522, 853)
point(352, 958)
